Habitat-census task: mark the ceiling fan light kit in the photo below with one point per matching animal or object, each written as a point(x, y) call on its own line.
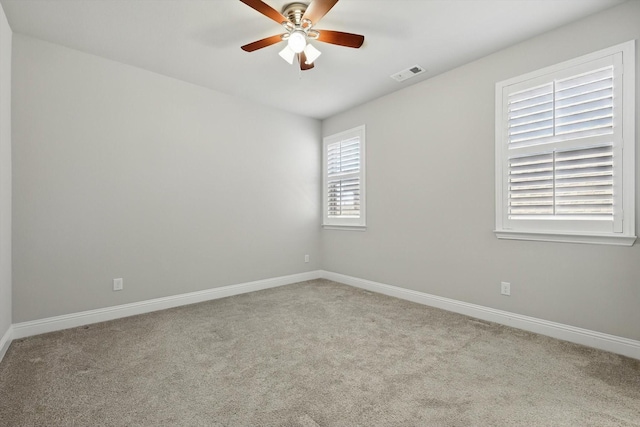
point(298, 20)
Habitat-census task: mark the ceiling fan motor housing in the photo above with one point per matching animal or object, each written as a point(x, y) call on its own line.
point(295, 11)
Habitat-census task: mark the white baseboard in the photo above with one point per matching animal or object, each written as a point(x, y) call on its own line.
point(5, 341)
point(51, 324)
point(612, 343)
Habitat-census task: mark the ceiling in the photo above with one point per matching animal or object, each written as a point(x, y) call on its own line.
point(198, 41)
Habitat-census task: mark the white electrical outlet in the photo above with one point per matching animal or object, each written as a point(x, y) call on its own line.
point(306, 258)
point(117, 284)
point(505, 288)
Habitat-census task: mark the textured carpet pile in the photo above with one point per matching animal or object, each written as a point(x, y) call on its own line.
point(312, 354)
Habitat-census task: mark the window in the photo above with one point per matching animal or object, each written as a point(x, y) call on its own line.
point(565, 160)
point(343, 180)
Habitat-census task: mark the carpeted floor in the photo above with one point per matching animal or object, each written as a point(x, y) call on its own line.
point(312, 354)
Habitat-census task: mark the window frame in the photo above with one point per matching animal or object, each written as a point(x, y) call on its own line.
point(583, 231)
point(355, 224)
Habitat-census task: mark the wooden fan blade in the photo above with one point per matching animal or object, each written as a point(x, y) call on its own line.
point(266, 10)
point(262, 43)
point(302, 59)
point(317, 9)
point(340, 38)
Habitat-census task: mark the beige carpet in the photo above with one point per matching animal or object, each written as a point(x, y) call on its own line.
point(312, 354)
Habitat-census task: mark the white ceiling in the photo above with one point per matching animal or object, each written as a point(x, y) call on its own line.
point(199, 41)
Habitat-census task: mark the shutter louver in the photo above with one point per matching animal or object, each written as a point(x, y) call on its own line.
point(344, 198)
point(584, 182)
point(530, 116)
point(531, 185)
point(572, 184)
point(343, 180)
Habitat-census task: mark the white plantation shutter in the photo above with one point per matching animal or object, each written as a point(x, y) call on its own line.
point(584, 105)
point(343, 178)
point(576, 107)
point(576, 184)
point(575, 181)
point(559, 148)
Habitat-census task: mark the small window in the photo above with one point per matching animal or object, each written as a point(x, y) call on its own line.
point(343, 180)
point(565, 161)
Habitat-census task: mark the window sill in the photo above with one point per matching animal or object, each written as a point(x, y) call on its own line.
point(345, 227)
point(596, 239)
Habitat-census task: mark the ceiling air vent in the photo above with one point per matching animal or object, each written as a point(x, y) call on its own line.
point(408, 73)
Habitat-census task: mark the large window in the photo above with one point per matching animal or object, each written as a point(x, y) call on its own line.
point(343, 180)
point(565, 158)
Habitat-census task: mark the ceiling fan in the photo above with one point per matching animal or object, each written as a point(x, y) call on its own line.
point(298, 20)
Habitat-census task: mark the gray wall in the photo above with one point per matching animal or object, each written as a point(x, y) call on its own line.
point(120, 172)
point(430, 200)
point(5, 174)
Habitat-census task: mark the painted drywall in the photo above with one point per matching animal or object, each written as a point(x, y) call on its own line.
point(123, 173)
point(5, 174)
point(430, 196)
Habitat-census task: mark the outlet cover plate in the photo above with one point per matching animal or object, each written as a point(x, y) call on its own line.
point(505, 288)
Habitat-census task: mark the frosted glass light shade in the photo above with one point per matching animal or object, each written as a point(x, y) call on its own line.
point(311, 53)
point(287, 54)
point(297, 41)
